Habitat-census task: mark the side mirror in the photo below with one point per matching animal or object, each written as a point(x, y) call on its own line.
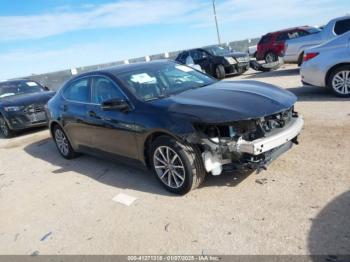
point(115, 104)
point(46, 88)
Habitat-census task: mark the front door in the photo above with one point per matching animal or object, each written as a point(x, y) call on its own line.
point(113, 130)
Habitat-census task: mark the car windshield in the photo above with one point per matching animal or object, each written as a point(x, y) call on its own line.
point(14, 88)
point(162, 80)
point(218, 50)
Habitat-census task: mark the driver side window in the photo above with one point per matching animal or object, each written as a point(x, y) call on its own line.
point(104, 89)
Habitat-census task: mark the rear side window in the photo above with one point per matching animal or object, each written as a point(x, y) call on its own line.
point(265, 39)
point(198, 54)
point(342, 26)
point(182, 57)
point(78, 91)
point(283, 36)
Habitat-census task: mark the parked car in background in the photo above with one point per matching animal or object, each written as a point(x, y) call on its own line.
point(272, 45)
point(175, 120)
point(217, 61)
point(22, 105)
point(252, 50)
point(329, 65)
point(295, 48)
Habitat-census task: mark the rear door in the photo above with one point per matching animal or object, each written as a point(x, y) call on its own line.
point(202, 58)
point(76, 97)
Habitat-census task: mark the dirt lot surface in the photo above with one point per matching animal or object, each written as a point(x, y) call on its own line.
point(300, 205)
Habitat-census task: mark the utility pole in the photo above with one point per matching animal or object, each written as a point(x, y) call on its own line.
point(216, 23)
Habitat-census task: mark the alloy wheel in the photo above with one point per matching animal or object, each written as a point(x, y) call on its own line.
point(3, 127)
point(62, 142)
point(169, 167)
point(341, 82)
point(270, 58)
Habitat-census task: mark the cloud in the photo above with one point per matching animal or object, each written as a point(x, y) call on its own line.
point(121, 14)
point(263, 12)
point(128, 13)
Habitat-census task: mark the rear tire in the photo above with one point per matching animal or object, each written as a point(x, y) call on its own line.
point(177, 166)
point(5, 130)
point(339, 81)
point(271, 57)
point(220, 72)
point(62, 143)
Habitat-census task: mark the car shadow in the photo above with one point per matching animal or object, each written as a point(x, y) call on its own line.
point(112, 173)
point(25, 132)
point(274, 73)
point(330, 230)
point(315, 94)
point(229, 179)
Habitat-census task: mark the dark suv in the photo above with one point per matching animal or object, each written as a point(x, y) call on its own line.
point(216, 61)
point(272, 45)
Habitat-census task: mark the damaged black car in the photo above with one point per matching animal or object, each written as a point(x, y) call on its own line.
point(178, 122)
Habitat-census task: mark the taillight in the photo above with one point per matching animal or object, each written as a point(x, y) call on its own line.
point(309, 56)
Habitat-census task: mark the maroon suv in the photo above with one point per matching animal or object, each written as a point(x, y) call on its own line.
point(271, 45)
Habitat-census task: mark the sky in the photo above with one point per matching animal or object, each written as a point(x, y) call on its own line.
point(40, 36)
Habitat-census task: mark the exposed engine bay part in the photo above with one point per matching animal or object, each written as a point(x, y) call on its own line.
point(265, 67)
point(249, 144)
point(212, 163)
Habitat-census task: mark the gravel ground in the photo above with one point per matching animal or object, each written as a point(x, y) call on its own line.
point(300, 205)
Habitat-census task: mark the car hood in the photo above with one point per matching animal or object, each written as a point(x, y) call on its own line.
point(237, 54)
point(225, 101)
point(27, 99)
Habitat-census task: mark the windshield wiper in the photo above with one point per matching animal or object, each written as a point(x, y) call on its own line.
point(157, 97)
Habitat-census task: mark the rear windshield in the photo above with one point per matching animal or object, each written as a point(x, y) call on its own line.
point(14, 88)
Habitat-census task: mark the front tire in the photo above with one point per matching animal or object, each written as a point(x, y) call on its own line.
point(5, 130)
point(62, 143)
point(339, 81)
point(220, 72)
point(177, 166)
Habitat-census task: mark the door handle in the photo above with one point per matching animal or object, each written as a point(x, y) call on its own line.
point(92, 114)
point(65, 107)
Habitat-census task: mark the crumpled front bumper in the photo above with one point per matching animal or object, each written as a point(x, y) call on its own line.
point(254, 154)
point(262, 145)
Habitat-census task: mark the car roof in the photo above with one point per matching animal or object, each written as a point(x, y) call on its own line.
point(340, 18)
point(16, 80)
point(305, 27)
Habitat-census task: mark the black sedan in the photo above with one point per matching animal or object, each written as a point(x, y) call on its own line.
point(178, 122)
point(216, 61)
point(22, 105)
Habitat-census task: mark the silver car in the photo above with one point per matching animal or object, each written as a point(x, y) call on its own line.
point(329, 65)
point(295, 48)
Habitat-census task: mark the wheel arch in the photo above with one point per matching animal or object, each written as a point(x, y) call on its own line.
point(330, 70)
point(300, 58)
point(52, 126)
point(269, 51)
point(148, 142)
